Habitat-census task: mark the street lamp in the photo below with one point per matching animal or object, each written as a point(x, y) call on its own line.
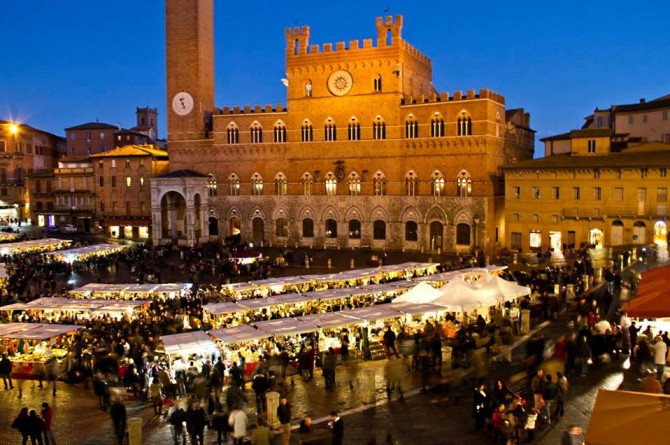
point(476, 223)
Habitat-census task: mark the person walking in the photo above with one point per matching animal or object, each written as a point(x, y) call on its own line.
point(219, 423)
point(337, 428)
point(119, 420)
point(47, 417)
point(389, 342)
point(20, 423)
point(6, 372)
point(238, 420)
point(563, 387)
point(196, 420)
point(284, 415)
point(154, 393)
point(550, 394)
point(479, 405)
point(260, 386)
point(262, 434)
point(660, 350)
point(537, 385)
point(35, 426)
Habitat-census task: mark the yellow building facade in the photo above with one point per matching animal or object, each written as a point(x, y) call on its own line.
point(365, 154)
point(588, 195)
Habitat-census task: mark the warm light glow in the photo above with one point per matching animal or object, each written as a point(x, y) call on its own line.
point(13, 128)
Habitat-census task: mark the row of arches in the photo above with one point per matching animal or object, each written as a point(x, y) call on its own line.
point(435, 128)
point(351, 231)
point(352, 183)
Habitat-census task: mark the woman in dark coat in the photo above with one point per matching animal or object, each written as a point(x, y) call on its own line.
point(22, 423)
point(479, 406)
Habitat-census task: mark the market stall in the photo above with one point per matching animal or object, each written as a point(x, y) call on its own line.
point(38, 245)
point(32, 345)
point(502, 290)
point(420, 293)
point(181, 349)
point(242, 340)
point(130, 291)
point(84, 253)
point(6, 237)
point(54, 309)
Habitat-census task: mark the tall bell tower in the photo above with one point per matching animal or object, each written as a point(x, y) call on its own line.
point(189, 36)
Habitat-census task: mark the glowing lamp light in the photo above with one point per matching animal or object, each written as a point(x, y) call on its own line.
point(13, 128)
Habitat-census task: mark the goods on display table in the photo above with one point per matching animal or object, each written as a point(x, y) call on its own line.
point(195, 346)
point(51, 309)
point(38, 245)
point(242, 340)
point(31, 345)
point(9, 237)
point(132, 291)
point(84, 253)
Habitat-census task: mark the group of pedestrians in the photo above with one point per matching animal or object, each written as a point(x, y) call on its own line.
point(35, 427)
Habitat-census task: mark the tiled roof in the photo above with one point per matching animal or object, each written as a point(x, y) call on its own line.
point(133, 150)
point(183, 174)
point(93, 126)
point(652, 154)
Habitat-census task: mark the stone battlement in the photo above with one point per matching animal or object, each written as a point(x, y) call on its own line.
point(455, 96)
point(248, 109)
point(388, 36)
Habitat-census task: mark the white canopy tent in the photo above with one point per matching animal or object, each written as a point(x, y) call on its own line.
point(461, 297)
point(328, 320)
point(420, 293)
point(502, 289)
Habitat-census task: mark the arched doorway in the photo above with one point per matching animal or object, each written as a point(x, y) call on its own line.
point(639, 232)
point(436, 235)
point(258, 231)
point(173, 216)
point(616, 236)
point(213, 226)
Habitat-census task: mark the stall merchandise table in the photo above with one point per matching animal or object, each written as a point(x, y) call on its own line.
point(83, 253)
point(38, 245)
point(24, 365)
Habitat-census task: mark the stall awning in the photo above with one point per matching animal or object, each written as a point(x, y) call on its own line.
point(328, 320)
point(372, 313)
point(188, 343)
point(71, 255)
point(286, 326)
point(416, 308)
point(420, 293)
point(35, 331)
point(238, 334)
point(34, 245)
point(222, 308)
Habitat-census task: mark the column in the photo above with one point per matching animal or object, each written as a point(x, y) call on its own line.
point(190, 225)
point(272, 398)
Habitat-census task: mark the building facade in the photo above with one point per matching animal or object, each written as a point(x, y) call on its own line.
point(24, 151)
point(122, 189)
point(365, 154)
point(588, 195)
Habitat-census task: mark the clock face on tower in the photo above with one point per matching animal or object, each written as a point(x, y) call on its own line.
point(340, 82)
point(182, 103)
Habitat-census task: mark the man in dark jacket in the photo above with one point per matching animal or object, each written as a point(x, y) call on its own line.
point(284, 415)
point(337, 428)
point(196, 420)
point(6, 371)
point(119, 420)
point(260, 386)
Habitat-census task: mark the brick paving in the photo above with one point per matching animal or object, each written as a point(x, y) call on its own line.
point(440, 416)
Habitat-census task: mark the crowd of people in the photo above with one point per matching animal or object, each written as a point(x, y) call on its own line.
point(122, 352)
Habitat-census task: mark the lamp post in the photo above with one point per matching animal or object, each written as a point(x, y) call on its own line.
point(475, 220)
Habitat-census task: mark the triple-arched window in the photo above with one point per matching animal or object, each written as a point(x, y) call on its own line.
point(464, 123)
point(330, 131)
point(463, 184)
point(437, 184)
point(256, 133)
point(354, 184)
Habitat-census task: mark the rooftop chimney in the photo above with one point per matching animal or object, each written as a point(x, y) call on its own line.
point(643, 100)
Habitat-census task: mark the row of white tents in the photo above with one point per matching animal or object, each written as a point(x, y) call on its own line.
point(459, 296)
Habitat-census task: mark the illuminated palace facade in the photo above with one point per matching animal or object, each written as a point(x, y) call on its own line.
point(366, 154)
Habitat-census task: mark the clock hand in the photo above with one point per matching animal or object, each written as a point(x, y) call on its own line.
point(181, 99)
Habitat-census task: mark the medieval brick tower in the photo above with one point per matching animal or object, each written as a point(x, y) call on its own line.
point(366, 154)
point(189, 36)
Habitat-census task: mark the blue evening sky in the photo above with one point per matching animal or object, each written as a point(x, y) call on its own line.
point(68, 62)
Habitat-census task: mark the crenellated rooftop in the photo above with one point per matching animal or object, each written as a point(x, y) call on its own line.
point(455, 96)
point(484, 93)
point(297, 41)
